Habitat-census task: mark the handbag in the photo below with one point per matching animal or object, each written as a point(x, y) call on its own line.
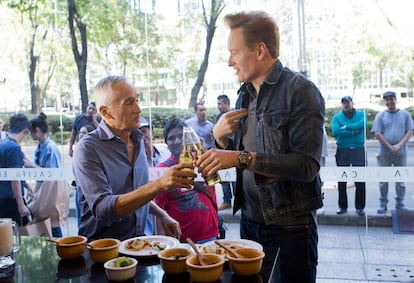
point(51, 200)
point(42, 228)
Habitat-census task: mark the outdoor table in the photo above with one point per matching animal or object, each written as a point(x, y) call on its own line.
point(37, 261)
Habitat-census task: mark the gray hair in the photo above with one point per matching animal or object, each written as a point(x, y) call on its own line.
point(103, 92)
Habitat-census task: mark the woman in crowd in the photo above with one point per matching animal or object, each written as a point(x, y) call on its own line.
point(196, 209)
point(47, 155)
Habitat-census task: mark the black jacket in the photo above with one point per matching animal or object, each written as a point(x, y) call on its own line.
point(290, 115)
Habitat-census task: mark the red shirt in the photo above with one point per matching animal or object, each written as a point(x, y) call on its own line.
point(194, 210)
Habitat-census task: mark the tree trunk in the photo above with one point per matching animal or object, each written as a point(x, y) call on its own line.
point(81, 57)
point(217, 7)
point(34, 89)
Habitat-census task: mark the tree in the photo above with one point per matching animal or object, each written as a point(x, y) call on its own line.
point(81, 56)
point(40, 19)
point(216, 8)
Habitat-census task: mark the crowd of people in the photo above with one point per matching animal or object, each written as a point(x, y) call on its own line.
point(274, 137)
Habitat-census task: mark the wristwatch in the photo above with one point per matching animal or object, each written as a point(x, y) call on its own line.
point(244, 159)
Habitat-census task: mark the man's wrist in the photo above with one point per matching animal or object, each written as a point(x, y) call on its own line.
point(245, 158)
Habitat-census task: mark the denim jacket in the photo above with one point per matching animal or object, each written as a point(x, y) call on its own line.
point(290, 115)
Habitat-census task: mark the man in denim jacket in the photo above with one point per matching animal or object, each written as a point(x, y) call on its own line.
point(278, 131)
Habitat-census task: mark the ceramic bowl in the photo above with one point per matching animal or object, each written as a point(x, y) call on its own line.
point(120, 273)
point(248, 264)
point(173, 260)
point(103, 250)
point(205, 273)
point(70, 247)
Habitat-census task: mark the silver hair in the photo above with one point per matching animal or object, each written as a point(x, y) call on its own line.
point(103, 92)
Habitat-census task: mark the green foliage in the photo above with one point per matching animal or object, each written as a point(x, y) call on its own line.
point(61, 138)
point(55, 124)
point(160, 116)
point(24, 6)
point(54, 127)
point(330, 112)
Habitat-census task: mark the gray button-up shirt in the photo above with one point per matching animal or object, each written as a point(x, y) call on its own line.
point(102, 172)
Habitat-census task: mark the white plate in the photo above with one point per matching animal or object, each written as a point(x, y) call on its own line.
point(211, 247)
point(169, 242)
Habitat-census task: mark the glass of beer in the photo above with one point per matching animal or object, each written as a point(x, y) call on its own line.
point(186, 155)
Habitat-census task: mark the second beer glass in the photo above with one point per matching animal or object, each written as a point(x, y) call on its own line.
point(199, 149)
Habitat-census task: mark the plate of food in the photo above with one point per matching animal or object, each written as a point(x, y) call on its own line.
point(211, 247)
point(145, 246)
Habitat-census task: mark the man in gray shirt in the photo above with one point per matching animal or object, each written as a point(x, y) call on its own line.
point(202, 126)
point(393, 128)
point(111, 170)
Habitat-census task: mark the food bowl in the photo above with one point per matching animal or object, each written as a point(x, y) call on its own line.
point(248, 264)
point(173, 260)
point(205, 273)
point(121, 268)
point(103, 250)
point(70, 247)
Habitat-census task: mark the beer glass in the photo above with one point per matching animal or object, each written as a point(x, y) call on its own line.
point(9, 244)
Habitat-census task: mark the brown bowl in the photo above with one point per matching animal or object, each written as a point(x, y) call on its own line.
point(70, 247)
point(205, 273)
point(103, 250)
point(248, 264)
point(173, 260)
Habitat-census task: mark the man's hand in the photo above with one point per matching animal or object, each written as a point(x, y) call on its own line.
point(23, 210)
point(395, 149)
point(216, 159)
point(29, 164)
point(71, 151)
point(181, 175)
point(227, 125)
point(171, 226)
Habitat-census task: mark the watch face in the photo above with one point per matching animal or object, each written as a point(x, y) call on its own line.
point(244, 159)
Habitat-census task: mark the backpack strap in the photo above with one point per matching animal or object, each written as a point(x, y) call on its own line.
point(169, 162)
point(200, 188)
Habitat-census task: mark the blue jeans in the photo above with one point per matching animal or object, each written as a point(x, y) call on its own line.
point(298, 249)
point(227, 191)
point(57, 232)
point(392, 160)
point(347, 157)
